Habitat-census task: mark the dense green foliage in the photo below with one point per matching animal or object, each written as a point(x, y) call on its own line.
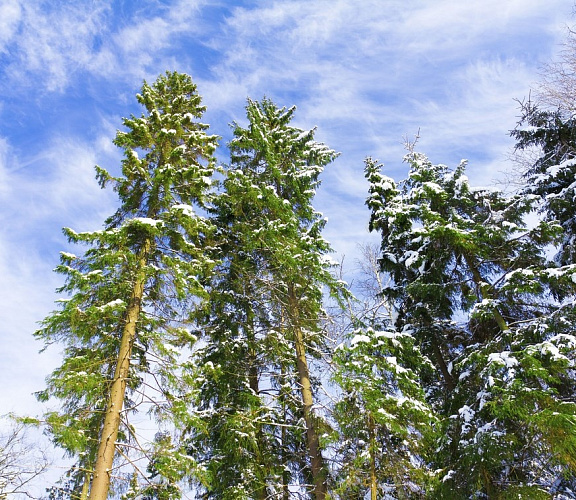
point(451, 377)
point(552, 134)
point(155, 236)
point(251, 434)
point(472, 284)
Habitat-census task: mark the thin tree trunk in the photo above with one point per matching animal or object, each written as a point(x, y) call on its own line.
point(490, 487)
point(260, 493)
point(485, 291)
point(85, 487)
point(439, 357)
point(283, 434)
point(251, 341)
point(253, 375)
point(107, 446)
point(448, 378)
point(316, 459)
point(373, 479)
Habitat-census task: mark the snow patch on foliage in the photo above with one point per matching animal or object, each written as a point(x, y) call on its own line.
point(112, 305)
point(359, 338)
point(186, 209)
point(506, 360)
point(448, 476)
point(148, 221)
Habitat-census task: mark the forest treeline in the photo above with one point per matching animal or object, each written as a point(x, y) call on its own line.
point(211, 349)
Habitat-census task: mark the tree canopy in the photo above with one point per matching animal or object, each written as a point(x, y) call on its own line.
point(210, 348)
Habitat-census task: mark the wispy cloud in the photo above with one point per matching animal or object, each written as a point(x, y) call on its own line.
point(55, 43)
point(371, 73)
point(382, 66)
point(50, 42)
point(10, 14)
point(39, 195)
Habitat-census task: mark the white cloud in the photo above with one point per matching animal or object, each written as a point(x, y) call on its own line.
point(136, 50)
point(347, 49)
point(63, 185)
point(26, 288)
point(371, 73)
point(57, 41)
point(10, 14)
point(385, 67)
point(54, 41)
point(61, 192)
point(5, 160)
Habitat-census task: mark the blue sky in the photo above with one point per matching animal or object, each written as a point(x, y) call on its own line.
point(368, 73)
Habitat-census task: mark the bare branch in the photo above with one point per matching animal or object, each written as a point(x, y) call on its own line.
point(21, 461)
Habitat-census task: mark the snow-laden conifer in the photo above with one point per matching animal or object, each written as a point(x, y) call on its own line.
point(548, 139)
point(256, 431)
point(383, 419)
point(473, 284)
point(125, 296)
point(383, 422)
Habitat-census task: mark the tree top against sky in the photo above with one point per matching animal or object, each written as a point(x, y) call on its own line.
point(367, 74)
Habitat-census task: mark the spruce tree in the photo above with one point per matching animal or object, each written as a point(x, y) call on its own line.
point(472, 283)
point(119, 322)
point(258, 434)
point(383, 419)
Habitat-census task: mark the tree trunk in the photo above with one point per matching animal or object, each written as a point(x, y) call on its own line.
point(448, 378)
point(373, 479)
point(85, 487)
point(260, 493)
point(489, 486)
point(283, 433)
point(107, 446)
point(485, 291)
point(316, 459)
point(253, 377)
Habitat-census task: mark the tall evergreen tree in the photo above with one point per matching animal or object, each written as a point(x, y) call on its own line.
point(473, 285)
point(260, 433)
point(119, 323)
